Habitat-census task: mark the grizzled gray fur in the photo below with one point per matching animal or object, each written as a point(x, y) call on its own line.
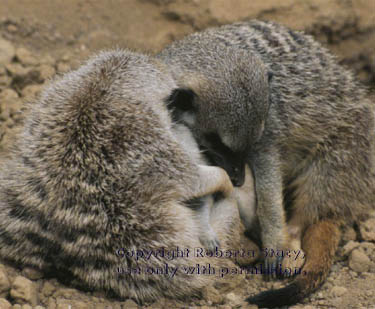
point(272, 97)
point(97, 171)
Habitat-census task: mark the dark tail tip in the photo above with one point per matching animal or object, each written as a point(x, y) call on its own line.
point(289, 295)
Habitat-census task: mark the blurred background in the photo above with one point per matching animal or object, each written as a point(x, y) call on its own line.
point(59, 28)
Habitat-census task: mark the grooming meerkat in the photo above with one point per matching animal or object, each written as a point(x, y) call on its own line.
point(97, 171)
point(259, 93)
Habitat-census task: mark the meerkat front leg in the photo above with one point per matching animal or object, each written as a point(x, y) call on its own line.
point(213, 179)
point(246, 199)
point(270, 211)
point(208, 236)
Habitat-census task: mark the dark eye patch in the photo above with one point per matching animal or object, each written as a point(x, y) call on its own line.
point(215, 142)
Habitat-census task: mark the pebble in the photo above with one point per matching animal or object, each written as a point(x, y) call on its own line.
point(8, 94)
point(4, 81)
point(16, 69)
point(349, 234)
point(63, 306)
point(7, 51)
point(338, 291)
point(63, 67)
point(46, 71)
point(25, 57)
point(31, 91)
point(48, 289)
point(358, 261)
point(80, 305)
point(4, 283)
point(24, 291)
point(32, 273)
point(350, 246)
point(130, 304)
point(367, 229)
point(233, 299)
point(4, 304)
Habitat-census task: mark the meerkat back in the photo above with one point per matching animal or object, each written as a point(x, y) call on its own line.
point(97, 171)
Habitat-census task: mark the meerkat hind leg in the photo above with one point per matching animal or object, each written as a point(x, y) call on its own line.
point(296, 256)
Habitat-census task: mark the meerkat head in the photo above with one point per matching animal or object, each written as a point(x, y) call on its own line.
point(226, 112)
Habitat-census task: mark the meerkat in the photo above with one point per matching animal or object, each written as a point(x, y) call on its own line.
point(98, 177)
point(259, 93)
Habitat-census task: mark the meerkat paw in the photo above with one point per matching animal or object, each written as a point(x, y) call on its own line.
point(272, 266)
point(209, 240)
point(294, 258)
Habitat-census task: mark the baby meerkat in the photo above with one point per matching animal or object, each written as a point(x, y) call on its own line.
point(259, 93)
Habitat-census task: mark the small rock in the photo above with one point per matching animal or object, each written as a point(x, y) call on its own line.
point(46, 71)
point(17, 306)
point(51, 303)
point(12, 28)
point(233, 299)
point(63, 306)
point(4, 304)
point(66, 57)
point(63, 67)
point(47, 59)
point(48, 289)
point(32, 273)
point(39, 307)
point(358, 261)
point(4, 81)
point(80, 305)
point(66, 293)
point(212, 294)
point(350, 246)
point(25, 56)
point(16, 69)
point(31, 91)
point(130, 304)
point(349, 234)
point(7, 51)
point(338, 291)
point(4, 283)
point(24, 291)
point(26, 306)
point(367, 230)
point(8, 94)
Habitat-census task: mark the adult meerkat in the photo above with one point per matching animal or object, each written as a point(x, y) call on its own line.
point(98, 174)
point(260, 93)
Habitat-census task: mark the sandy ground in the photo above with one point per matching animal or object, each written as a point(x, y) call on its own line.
point(39, 39)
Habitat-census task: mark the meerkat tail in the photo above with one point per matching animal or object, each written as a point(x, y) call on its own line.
point(320, 243)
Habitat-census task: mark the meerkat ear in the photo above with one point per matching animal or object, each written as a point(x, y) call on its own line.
point(181, 99)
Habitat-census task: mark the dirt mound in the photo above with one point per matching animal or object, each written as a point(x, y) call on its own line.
point(39, 39)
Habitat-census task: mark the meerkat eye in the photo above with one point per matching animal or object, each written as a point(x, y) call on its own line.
point(181, 99)
point(216, 142)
